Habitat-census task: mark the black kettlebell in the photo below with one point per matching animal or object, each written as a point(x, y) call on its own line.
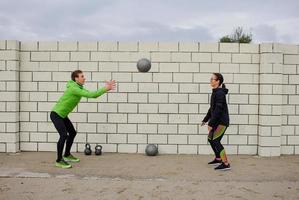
point(87, 150)
point(98, 150)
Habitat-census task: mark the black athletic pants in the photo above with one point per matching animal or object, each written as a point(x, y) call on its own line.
point(67, 134)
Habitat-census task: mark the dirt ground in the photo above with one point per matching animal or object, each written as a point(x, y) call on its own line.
point(30, 175)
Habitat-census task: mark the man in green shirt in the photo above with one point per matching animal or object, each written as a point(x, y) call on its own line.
point(59, 115)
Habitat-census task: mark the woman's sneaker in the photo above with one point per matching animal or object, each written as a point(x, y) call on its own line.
point(63, 164)
point(215, 162)
point(223, 167)
point(71, 158)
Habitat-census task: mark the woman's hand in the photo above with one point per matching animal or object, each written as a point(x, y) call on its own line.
point(110, 85)
point(210, 128)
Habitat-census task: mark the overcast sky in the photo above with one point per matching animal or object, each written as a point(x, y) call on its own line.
point(148, 20)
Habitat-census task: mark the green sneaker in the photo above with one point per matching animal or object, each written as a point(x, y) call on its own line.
point(63, 164)
point(71, 158)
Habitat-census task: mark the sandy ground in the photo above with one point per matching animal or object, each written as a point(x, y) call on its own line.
point(29, 176)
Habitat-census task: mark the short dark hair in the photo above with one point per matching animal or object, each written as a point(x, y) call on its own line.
point(75, 74)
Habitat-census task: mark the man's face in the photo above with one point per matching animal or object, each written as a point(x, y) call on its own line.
point(80, 79)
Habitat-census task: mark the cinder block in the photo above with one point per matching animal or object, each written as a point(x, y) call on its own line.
point(38, 137)
point(117, 97)
point(209, 67)
point(29, 46)
point(208, 47)
point(229, 47)
point(168, 46)
point(221, 57)
point(188, 129)
point(168, 87)
point(162, 77)
point(106, 128)
point(142, 77)
point(48, 147)
point(80, 56)
point(148, 87)
point(168, 108)
point(167, 149)
point(188, 46)
point(148, 46)
point(157, 139)
point(117, 118)
point(137, 138)
point(241, 58)
point(47, 46)
point(167, 129)
point(247, 150)
point(127, 148)
point(68, 46)
point(198, 98)
point(87, 107)
point(237, 139)
point(157, 118)
point(148, 108)
point(178, 98)
point(249, 48)
point(88, 46)
point(137, 118)
point(108, 66)
point(177, 139)
point(158, 98)
point(188, 108)
point(291, 59)
point(178, 119)
point(28, 146)
point(107, 46)
point(100, 56)
point(189, 67)
point(268, 151)
point(117, 138)
point(147, 128)
point(181, 57)
point(137, 98)
point(127, 128)
point(229, 68)
point(127, 108)
point(201, 57)
point(96, 117)
point(40, 56)
point(60, 56)
point(274, 58)
point(182, 77)
point(160, 57)
point(127, 46)
point(168, 67)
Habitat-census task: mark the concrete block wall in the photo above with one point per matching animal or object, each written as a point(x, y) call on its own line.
point(9, 96)
point(164, 106)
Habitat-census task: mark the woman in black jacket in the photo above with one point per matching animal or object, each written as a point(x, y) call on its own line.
point(218, 121)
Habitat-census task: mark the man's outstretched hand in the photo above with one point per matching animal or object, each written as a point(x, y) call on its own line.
point(110, 85)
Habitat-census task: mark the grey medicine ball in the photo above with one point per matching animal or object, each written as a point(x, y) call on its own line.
point(151, 150)
point(143, 65)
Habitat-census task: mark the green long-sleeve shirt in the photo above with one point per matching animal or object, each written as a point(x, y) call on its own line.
point(72, 96)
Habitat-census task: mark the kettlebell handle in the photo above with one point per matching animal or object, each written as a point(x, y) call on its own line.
point(99, 147)
point(87, 145)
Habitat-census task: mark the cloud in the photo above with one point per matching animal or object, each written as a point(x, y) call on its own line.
point(156, 20)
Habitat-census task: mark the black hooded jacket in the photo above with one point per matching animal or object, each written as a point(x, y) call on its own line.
point(218, 112)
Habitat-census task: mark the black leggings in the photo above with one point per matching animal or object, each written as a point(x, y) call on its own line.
point(63, 126)
point(214, 138)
